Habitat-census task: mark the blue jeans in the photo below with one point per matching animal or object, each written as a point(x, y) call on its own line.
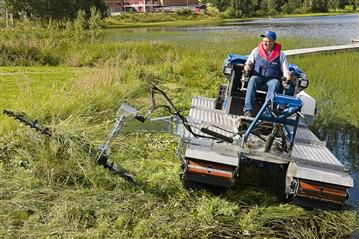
point(254, 83)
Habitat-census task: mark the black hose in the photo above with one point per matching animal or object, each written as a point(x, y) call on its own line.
point(172, 110)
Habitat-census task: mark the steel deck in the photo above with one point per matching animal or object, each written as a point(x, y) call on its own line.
point(310, 158)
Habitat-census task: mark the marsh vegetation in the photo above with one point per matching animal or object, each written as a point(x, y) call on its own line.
point(74, 84)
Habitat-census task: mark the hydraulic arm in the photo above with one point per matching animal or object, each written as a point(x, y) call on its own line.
point(34, 124)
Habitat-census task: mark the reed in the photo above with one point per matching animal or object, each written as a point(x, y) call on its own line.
point(52, 187)
point(333, 79)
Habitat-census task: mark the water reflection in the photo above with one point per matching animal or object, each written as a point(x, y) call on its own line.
point(339, 29)
point(344, 144)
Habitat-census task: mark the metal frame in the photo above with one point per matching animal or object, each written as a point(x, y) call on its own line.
point(290, 107)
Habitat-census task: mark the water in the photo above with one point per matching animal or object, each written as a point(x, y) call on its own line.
point(332, 29)
point(344, 144)
point(340, 29)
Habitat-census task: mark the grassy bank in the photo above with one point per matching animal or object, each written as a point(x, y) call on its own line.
point(51, 187)
point(331, 13)
point(179, 18)
point(114, 23)
point(192, 19)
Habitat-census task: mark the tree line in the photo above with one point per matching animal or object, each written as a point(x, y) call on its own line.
point(53, 9)
point(68, 9)
point(248, 8)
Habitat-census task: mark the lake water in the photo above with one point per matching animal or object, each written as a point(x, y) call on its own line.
point(328, 29)
point(342, 28)
point(344, 144)
point(334, 30)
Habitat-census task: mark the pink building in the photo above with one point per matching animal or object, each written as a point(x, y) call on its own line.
point(145, 5)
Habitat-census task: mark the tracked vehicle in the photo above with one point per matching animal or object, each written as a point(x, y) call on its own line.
point(217, 140)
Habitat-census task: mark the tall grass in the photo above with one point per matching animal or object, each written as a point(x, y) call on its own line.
point(178, 16)
point(52, 188)
point(334, 83)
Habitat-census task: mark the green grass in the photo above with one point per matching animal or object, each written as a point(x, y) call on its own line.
point(52, 187)
point(333, 83)
point(15, 81)
point(161, 19)
point(68, 196)
point(322, 14)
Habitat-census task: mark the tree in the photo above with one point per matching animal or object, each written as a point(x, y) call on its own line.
point(293, 4)
point(268, 7)
point(355, 4)
point(278, 5)
point(286, 8)
point(337, 4)
point(315, 6)
point(307, 5)
point(319, 5)
point(241, 8)
point(53, 9)
point(290, 5)
point(220, 4)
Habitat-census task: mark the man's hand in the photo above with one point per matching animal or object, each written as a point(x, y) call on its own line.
point(285, 82)
point(247, 67)
point(288, 76)
point(246, 70)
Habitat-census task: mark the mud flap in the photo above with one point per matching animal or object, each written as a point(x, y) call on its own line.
point(319, 194)
point(209, 173)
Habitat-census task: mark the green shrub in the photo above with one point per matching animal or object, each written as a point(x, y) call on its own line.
point(26, 56)
point(184, 12)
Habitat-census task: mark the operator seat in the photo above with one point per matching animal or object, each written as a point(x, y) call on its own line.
point(231, 97)
point(236, 92)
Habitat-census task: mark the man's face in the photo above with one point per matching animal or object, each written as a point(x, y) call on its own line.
point(268, 43)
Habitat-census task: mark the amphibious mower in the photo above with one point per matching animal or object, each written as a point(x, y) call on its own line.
point(217, 140)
